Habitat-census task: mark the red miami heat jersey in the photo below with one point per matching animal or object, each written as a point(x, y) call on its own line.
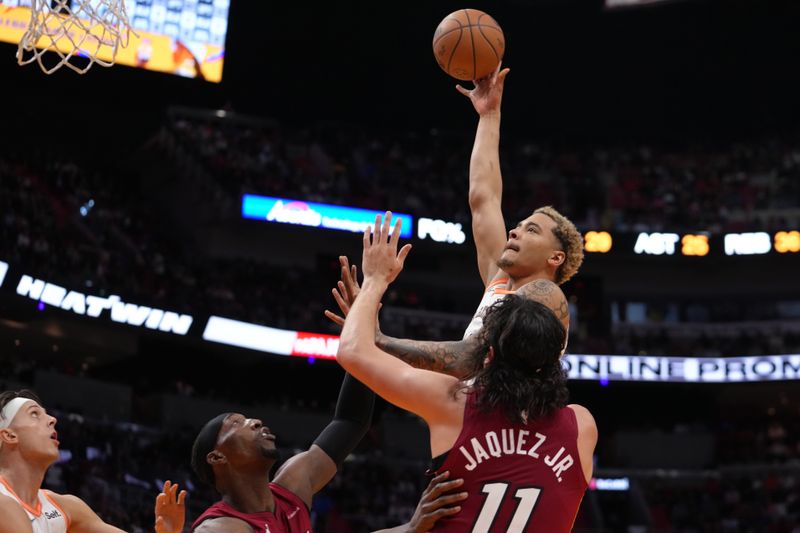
point(519, 477)
point(291, 514)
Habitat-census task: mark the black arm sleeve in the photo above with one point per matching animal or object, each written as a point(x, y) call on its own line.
point(350, 422)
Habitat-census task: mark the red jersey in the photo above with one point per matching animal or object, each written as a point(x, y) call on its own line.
point(519, 477)
point(291, 514)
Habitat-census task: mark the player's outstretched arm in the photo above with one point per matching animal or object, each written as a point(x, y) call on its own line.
point(485, 179)
point(437, 501)
point(445, 357)
point(424, 393)
point(307, 473)
point(451, 357)
point(82, 518)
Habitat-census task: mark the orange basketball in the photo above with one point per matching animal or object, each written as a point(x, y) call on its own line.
point(468, 44)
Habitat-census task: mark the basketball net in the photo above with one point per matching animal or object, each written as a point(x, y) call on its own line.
point(74, 28)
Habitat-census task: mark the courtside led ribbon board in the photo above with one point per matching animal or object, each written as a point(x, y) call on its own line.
point(683, 369)
point(579, 367)
point(79, 303)
point(315, 215)
point(271, 340)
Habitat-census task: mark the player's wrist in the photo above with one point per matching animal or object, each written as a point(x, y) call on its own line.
point(374, 283)
point(486, 116)
point(412, 527)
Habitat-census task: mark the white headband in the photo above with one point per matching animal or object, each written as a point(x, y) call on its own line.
point(10, 410)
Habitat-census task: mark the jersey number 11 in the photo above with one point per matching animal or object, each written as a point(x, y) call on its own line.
point(495, 492)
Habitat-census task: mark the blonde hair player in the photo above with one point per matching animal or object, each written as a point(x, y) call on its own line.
point(28, 446)
point(532, 260)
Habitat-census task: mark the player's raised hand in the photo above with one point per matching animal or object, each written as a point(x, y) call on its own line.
point(349, 282)
point(170, 509)
point(380, 259)
point(437, 501)
point(487, 93)
point(345, 291)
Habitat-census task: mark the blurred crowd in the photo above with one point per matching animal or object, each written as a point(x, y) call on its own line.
point(72, 224)
point(739, 502)
point(741, 186)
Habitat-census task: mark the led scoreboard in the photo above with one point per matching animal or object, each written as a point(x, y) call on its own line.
point(195, 31)
point(183, 37)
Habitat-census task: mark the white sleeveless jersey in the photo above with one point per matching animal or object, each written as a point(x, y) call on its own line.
point(494, 292)
point(47, 517)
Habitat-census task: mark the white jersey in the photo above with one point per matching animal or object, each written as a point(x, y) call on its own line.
point(494, 293)
point(47, 517)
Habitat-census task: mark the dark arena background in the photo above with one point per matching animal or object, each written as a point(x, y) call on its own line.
point(138, 301)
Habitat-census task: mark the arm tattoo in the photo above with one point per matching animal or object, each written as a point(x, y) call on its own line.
point(448, 357)
point(548, 293)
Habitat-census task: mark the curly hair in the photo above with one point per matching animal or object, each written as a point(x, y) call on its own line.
point(571, 242)
point(525, 377)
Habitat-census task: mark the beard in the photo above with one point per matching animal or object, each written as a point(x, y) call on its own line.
point(270, 453)
point(504, 263)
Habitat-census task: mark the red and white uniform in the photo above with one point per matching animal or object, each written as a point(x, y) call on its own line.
point(291, 514)
point(519, 477)
point(46, 517)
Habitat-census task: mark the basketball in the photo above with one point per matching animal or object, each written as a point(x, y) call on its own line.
point(468, 44)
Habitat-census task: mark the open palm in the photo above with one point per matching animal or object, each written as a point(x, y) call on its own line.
point(170, 509)
point(381, 258)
